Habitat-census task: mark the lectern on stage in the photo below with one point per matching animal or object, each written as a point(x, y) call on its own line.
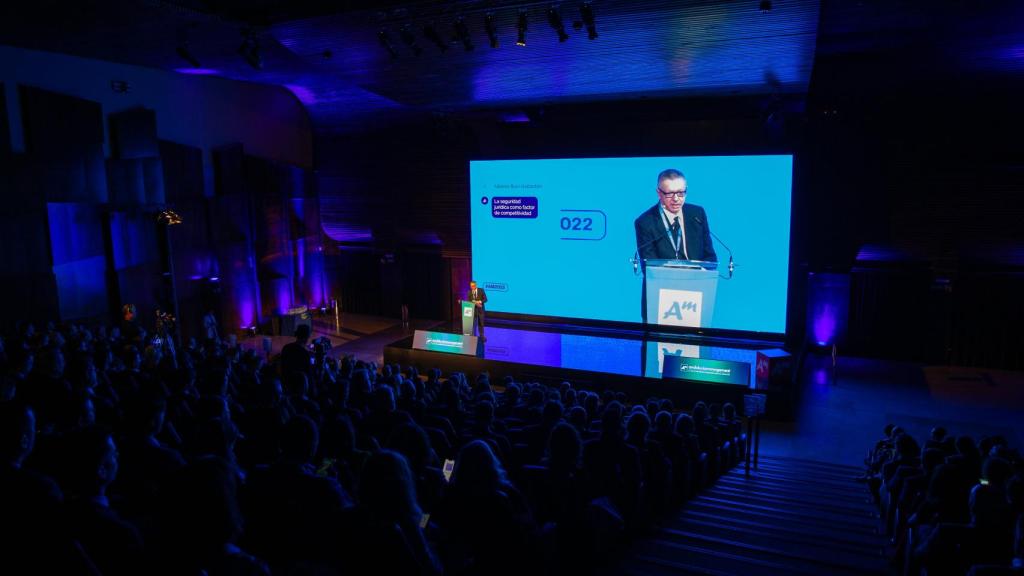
point(468, 317)
point(681, 292)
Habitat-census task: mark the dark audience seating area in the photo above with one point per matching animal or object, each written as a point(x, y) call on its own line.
point(952, 505)
point(124, 455)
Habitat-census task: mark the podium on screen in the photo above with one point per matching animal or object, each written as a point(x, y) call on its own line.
point(681, 292)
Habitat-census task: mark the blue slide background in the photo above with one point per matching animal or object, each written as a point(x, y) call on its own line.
point(747, 200)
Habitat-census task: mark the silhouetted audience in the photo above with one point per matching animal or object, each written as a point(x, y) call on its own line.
point(122, 454)
point(953, 507)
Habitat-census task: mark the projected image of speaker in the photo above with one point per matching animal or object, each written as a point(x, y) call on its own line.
point(687, 244)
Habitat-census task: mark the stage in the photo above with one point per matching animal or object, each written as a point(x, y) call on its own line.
point(595, 360)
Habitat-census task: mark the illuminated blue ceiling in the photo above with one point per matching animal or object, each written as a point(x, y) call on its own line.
point(644, 49)
point(336, 66)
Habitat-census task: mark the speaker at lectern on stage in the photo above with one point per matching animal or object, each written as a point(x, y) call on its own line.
point(680, 292)
point(468, 317)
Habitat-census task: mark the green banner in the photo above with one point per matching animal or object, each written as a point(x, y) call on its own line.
point(706, 370)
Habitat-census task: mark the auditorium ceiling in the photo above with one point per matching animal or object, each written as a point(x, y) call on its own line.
point(333, 58)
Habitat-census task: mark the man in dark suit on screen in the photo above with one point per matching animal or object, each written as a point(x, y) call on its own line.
point(672, 229)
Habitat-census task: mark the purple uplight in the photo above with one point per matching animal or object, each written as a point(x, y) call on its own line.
point(246, 307)
point(825, 325)
point(828, 305)
point(198, 71)
point(283, 297)
point(305, 95)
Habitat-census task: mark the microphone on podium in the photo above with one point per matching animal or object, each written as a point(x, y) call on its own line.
point(636, 254)
point(732, 266)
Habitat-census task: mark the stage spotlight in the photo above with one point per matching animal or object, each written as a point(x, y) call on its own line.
point(766, 6)
point(409, 39)
point(168, 217)
point(462, 34)
point(250, 50)
point(385, 40)
point(587, 13)
point(431, 33)
point(521, 29)
point(492, 29)
point(555, 19)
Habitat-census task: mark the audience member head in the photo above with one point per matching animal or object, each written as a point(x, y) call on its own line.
point(607, 397)
point(216, 437)
point(359, 392)
point(387, 489)
point(483, 413)
point(299, 440)
point(569, 397)
point(577, 416)
point(17, 433)
point(700, 413)
point(512, 392)
point(151, 357)
point(906, 447)
point(214, 380)
point(637, 427)
point(411, 441)
point(1015, 494)
point(78, 411)
point(202, 511)
point(210, 407)
point(144, 414)
point(552, 413)
point(685, 425)
point(486, 397)
point(715, 411)
point(337, 438)
point(131, 358)
point(535, 397)
point(22, 362)
point(382, 401)
point(663, 422)
point(966, 447)
point(407, 390)
point(564, 447)
point(729, 411)
point(611, 422)
point(591, 404)
point(477, 470)
point(481, 387)
point(93, 462)
point(995, 472)
point(82, 371)
point(302, 332)
point(450, 397)
point(931, 459)
point(50, 363)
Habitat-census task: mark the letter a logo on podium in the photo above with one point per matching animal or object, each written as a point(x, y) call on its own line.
point(679, 307)
point(467, 312)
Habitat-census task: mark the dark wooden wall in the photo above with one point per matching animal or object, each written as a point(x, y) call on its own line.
point(79, 234)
